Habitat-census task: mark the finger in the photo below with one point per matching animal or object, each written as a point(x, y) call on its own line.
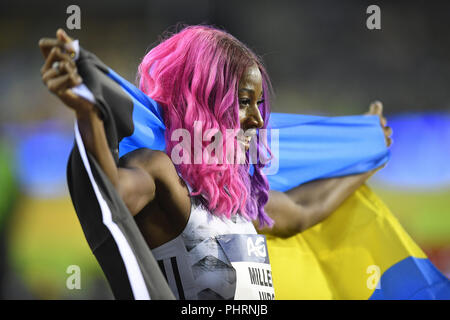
point(50, 59)
point(55, 55)
point(376, 107)
point(47, 44)
point(70, 68)
point(49, 74)
point(371, 109)
point(388, 142)
point(59, 84)
point(383, 121)
point(62, 36)
point(55, 84)
point(388, 131)
point(65, 67)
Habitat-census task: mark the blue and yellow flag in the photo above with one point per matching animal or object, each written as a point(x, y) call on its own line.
point(359, 252)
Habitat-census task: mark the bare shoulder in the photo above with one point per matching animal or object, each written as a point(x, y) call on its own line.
point(155, 162)
point(170, 188)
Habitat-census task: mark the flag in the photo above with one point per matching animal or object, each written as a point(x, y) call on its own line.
point(360, 252)
point(109, 228)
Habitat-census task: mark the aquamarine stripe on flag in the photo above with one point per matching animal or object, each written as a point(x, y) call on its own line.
point(412, 279)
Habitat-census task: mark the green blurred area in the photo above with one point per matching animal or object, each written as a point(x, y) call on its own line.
point(45, 239)
point(425, 215)
point(8, 185)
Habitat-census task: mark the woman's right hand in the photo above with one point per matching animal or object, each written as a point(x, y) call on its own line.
point(59, 72)
point(376, 108)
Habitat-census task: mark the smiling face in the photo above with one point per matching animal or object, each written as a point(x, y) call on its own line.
point(250, 97)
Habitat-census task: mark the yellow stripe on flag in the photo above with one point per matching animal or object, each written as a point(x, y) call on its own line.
point(344, 256)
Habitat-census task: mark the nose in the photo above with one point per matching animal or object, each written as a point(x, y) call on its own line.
point(254, 118)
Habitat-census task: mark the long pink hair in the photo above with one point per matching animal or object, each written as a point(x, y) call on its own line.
point(194, 75)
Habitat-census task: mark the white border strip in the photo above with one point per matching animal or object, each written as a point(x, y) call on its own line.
point(134, 273)
point(81, 90)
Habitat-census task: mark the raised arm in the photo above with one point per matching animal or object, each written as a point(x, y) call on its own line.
point(134, 182)
point(306, 205)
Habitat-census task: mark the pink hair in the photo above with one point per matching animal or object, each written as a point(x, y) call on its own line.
point(194, 75)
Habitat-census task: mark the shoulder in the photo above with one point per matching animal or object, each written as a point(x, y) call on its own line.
point(154, 162)
point(170, 190)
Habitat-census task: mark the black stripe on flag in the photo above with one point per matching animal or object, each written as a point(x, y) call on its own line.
point(109, 228)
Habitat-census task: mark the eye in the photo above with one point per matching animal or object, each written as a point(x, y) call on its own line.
point(244, 101)
point(260, 102)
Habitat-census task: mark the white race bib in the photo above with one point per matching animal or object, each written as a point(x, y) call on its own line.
point(249, 257)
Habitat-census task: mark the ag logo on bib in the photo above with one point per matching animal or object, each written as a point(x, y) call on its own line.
point(257, 248)
point(249, 257)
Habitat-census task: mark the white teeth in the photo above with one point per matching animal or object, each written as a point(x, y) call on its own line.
point(245, 139)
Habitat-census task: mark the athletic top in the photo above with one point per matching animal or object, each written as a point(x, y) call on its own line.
point(195, 264)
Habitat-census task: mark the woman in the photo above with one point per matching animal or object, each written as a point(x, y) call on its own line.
point(189, 213)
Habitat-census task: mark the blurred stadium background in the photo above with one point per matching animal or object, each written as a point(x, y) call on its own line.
point(322, 60)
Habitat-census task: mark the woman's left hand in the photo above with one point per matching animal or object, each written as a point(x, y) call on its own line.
point(376, 108)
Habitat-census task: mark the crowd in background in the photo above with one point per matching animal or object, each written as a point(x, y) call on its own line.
point(322, 60)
